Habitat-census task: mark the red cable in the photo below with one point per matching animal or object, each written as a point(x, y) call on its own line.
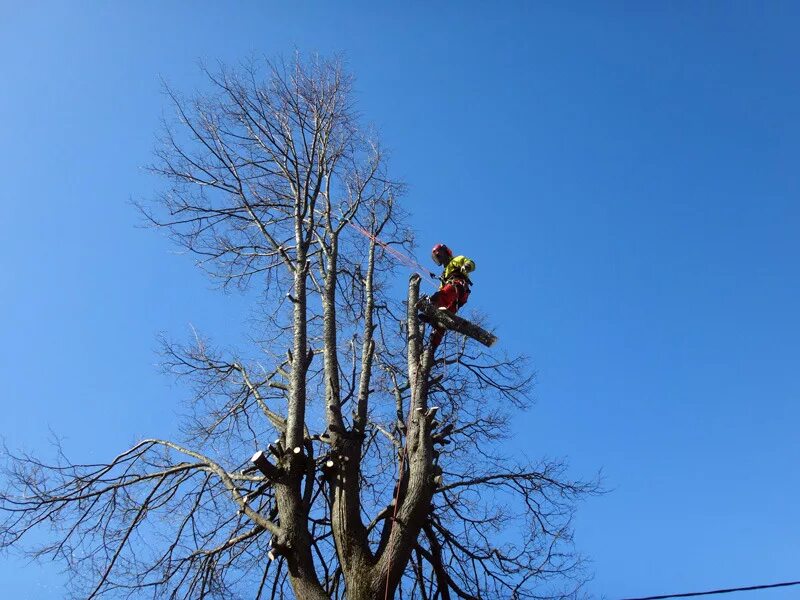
point(399, 256)
point(394, 520)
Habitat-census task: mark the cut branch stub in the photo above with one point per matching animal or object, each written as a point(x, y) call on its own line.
point(328, 466)
point(262, 463)
point(444, 319)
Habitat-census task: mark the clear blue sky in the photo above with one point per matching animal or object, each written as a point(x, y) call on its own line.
point(624, 174)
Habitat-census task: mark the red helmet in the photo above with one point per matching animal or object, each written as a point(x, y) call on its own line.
point(441, 254)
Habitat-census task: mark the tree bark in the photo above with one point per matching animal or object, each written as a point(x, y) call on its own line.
point(447, 320)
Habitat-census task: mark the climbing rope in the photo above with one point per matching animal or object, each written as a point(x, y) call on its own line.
point(402, 258)
point(394, 520)
point(444, 352)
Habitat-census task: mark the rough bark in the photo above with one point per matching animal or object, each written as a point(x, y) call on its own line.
point(447, 320)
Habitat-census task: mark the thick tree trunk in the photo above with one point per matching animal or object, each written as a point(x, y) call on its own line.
point(417, 481)
point(295, 541)
point(371, 590)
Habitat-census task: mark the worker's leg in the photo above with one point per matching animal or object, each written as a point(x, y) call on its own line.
point(436, 337)
point(447, 297)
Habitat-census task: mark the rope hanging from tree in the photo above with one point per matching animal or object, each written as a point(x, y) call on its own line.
point(402, 258)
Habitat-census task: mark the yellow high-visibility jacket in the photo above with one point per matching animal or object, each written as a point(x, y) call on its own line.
point(459, 268)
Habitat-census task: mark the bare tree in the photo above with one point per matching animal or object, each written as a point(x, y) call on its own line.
point(379, 467)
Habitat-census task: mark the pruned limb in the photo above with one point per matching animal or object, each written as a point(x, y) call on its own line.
point(265, 466)
point(444, 319)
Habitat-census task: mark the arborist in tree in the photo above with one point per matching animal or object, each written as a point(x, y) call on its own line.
point(455, 287)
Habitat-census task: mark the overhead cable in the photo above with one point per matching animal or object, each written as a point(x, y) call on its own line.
point(724, 591)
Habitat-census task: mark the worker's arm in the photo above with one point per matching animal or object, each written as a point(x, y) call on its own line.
point(463, 264)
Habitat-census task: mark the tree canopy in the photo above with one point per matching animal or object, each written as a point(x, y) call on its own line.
point(340, 456)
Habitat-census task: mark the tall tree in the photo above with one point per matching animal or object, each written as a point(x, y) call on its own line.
point(379, 467)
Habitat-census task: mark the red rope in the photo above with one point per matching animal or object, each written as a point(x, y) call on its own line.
point(394, 520)
point(444, 352)
point(403, 259)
